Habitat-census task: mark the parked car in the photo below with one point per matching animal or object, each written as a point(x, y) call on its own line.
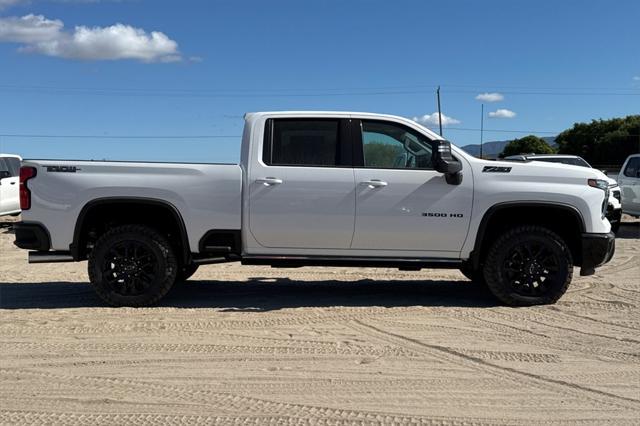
point(320, 188)
point(614, 208)
point(9, 183)
point(629, 180)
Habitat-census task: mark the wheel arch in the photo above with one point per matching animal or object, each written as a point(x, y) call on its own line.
point(88, 216)
point(567, 222)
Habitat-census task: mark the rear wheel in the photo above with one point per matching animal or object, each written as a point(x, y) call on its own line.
point(528, 265)
point(132, 265)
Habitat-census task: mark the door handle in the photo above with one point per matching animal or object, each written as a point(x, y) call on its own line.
point(269, 181)
point(12, 183)
point(375, 183)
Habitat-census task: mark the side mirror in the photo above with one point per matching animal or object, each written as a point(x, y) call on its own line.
point(605, 172)
point(4, 174)
point(445, 163)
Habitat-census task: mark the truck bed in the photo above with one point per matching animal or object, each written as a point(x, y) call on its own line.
point(208, 196)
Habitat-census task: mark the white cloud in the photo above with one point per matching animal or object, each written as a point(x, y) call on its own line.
point(490, 97)
point(502, 113)
point(636, 78)
point(38, 34)
point(432, 119)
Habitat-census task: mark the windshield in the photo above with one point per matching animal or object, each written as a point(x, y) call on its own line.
point(574, 161)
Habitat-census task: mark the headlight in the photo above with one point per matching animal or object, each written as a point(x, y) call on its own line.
point(599, 183)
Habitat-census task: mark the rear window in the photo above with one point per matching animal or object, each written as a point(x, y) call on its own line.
point(302, 142)
point(13, 165)
point(633, 167)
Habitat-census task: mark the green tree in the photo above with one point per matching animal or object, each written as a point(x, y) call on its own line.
point(602, 141)
point(527, 145)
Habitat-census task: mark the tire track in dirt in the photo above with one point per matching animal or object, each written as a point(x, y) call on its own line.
point(246, 405)
point(449, 355)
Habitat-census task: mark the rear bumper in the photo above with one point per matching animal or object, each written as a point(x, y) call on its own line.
point(32, 236)
point(597, 249)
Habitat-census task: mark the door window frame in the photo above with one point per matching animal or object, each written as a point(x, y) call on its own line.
point(344, 142)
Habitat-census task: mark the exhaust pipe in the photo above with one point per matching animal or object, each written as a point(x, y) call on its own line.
point(50, 257)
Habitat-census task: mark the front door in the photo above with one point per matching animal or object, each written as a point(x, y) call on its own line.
point(301, 193)
point(402, 203)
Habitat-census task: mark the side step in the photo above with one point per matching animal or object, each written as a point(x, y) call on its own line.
point(50, 257)
point(408, 264)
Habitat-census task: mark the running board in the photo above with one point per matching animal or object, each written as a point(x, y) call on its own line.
point(414, 264)
point(50, 257)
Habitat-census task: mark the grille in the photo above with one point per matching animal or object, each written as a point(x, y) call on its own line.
point(616, 195)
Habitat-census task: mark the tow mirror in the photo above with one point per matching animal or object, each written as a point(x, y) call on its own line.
point(445, 163)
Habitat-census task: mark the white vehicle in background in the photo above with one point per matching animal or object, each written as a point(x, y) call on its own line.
point(320, 188)
point(9, 184)
point(614, 207)
point(629, 180)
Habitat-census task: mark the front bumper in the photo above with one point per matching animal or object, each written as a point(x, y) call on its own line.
point(31, 236)
point(597, 249)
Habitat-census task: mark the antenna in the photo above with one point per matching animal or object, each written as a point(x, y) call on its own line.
point(439, 110)
point(481, 126)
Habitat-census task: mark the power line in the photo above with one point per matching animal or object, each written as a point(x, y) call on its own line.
point(52, 136)
point(280, 93)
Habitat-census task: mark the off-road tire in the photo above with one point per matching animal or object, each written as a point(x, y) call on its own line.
point(156, 251)
point(538, 250)
point(185, 272)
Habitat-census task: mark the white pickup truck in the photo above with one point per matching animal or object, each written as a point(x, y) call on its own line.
point(320, 188)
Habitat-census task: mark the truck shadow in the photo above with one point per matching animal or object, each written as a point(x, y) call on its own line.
point(629, 230)
point(261, 295)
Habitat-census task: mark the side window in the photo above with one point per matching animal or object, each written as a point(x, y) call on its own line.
point(393, 146)
point(633, 168)
point(13, 164)
point(303, 142)
point(4, 167)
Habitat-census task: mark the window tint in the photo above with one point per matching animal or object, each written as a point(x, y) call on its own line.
point(393, 146)
point(302, 143)
point(633, 167)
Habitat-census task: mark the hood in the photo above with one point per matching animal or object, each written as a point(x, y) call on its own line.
point(547, 171)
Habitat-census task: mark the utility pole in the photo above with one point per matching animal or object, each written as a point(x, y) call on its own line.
point(439, 110)
point(481, 126)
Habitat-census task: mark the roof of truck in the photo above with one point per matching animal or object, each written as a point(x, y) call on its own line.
point(408, 121)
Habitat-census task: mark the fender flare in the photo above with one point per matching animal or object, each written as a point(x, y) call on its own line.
point(491, 211)
point(75, 245)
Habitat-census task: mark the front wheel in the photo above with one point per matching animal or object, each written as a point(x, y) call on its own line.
point(528, 265)
point(132, 265)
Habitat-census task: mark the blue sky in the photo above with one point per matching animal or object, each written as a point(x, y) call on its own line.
point(66, 69)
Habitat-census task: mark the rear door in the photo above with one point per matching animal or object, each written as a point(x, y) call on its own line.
point(9, 185)
point(301, 190)
point(402, 203)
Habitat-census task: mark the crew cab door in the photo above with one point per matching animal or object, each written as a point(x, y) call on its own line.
point(301, 189)
point(402, 203)
point(9, 185)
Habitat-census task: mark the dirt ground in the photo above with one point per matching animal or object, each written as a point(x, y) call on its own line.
point(254, 345)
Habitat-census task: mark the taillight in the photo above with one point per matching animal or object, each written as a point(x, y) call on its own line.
point(26, 173)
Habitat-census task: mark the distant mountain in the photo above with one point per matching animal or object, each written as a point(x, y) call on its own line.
point(492, 149)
